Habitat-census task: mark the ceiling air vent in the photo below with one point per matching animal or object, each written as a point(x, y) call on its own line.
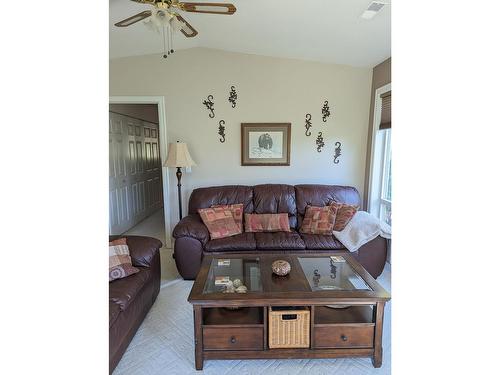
point(373, 9)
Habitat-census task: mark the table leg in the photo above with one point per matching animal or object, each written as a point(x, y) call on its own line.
point(379, 321)
point(198, 338)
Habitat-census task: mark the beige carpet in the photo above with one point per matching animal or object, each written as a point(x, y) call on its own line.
point(164, 345)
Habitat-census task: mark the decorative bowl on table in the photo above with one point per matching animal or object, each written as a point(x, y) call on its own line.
point(281, 267)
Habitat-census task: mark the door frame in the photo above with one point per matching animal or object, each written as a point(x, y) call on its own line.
point(162, 128)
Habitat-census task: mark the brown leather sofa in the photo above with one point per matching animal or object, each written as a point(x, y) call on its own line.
point(192, 239)
point(131, 298)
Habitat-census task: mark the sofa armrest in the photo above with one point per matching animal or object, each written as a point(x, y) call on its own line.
point(192, 226)
point(142, 249)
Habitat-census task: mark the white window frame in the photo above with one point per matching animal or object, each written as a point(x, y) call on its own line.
point(377, 160)
point(385, 172)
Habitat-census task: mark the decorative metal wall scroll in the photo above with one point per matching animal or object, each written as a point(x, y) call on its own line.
point(319, 142)
point(233, 96)
point(222, 130)
point(210, 105)
point(325, 111)
point(338, 146)
point(308, 124)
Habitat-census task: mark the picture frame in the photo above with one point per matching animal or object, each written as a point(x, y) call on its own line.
point(265, 144)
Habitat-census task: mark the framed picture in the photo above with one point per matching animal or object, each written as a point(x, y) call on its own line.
point(265, 144)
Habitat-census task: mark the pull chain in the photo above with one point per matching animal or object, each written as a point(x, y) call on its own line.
point(171, 40)
point(165, 55)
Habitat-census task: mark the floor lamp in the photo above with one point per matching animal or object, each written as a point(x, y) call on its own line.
point(178, 157)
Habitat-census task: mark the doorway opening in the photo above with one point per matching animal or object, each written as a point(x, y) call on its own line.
point(138, 182)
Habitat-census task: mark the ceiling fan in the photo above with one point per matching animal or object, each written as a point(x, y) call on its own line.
point(165, 12)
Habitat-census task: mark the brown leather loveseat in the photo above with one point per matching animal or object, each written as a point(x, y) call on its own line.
point(131, 298)
point(192, 239)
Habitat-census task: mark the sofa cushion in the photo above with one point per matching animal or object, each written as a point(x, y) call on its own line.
point(321, 242)
point(267, 223)
point(279, 241)
point(123, 291)
point(275, 199)
point(114, 311)
point(323, 195)
point(243, 241)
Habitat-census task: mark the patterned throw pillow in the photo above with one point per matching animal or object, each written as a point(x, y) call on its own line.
point(319, 220)
point(220, 222)
point(236, 210)
point(345, 213)
point(267, 223)
point(120, 263)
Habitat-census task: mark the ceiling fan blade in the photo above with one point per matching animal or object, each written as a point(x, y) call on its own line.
point(185, 28)
point(136, 18)
point(214, 8)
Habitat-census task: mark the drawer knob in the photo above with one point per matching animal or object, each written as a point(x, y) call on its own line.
point(233, 339)
point(343, 337)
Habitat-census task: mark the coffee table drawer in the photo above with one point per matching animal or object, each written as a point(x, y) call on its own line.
point(218, 338)
point(343, 336)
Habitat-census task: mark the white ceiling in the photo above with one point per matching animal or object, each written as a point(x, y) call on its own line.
point(319, 30)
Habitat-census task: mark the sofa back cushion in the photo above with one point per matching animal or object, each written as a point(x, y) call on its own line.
point(221, 195)
point(323, 195)
point(275, 199)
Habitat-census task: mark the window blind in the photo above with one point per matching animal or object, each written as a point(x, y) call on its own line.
point(385, 118)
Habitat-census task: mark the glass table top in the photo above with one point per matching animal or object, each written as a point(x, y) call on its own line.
point(331, 273)
point(235, 272)
point(241, 275)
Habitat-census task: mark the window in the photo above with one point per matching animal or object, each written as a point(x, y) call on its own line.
point(386, 196)
point(380, 190)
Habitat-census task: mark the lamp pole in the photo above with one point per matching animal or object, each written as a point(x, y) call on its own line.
point(179, 175)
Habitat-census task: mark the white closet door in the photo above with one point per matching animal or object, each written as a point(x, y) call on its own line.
point(134, 171)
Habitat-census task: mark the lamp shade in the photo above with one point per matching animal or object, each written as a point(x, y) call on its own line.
point(178, 156)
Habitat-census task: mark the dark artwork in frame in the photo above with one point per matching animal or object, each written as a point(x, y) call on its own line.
point(265, 144)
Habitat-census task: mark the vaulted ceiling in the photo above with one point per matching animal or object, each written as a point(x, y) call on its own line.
point(320, 30)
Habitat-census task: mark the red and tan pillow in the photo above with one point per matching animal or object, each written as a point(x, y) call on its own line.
point(267, 223)
point(120, 263)
point(220, 222)
point(236, 210)
point(345, 213)
point(319, 220)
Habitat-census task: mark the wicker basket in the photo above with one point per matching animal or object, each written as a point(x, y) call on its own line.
point(289, 328)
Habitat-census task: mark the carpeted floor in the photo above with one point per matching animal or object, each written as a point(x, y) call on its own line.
point(164, 344)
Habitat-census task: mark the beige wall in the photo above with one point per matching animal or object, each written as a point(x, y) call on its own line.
point(269, 90)
point(381, 77)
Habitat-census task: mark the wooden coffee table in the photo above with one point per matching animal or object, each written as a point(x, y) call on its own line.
point(315, 282)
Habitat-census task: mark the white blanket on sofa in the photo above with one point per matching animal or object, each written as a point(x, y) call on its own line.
point(362, 228)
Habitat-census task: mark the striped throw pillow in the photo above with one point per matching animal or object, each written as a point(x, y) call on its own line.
point(120, 263)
